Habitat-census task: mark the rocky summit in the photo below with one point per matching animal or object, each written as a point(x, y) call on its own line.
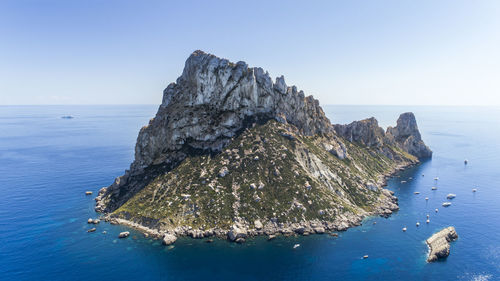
point(232, 153)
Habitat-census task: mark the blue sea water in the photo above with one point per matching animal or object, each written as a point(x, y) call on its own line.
point(47, 163)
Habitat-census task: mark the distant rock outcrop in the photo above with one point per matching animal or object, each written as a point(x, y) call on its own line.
point(405, 135)
point(439, 243)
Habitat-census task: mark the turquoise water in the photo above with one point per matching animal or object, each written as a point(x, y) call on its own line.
point(47, 163)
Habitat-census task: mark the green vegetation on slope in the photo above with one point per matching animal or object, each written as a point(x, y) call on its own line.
point(266, 172)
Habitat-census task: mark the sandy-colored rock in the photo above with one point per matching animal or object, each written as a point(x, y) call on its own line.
point(169, 239)
point(439, 243)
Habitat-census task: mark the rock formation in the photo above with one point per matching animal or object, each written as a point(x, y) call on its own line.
point(405, 135)
point(230, 152)
point(439, 243)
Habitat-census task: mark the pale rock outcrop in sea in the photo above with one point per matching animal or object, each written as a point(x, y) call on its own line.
point(439, 243)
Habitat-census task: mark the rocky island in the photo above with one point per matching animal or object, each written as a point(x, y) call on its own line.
point(232, 154)
point(439, 243)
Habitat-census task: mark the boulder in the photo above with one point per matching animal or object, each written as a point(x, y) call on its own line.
point(236, 232)
point(258, 225)
point(169, 239)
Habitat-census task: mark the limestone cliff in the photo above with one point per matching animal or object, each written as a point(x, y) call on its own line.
point(230, 152)
point(405, 135)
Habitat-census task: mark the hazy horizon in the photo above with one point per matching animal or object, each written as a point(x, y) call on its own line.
point(387, 52)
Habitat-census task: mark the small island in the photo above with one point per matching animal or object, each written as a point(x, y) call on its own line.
point(439, 246)
point(232, 154)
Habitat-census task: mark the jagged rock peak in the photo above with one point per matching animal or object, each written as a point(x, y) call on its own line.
point(405, 135)
point(212, 101)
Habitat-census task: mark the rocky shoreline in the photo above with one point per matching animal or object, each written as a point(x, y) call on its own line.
point(241, 231)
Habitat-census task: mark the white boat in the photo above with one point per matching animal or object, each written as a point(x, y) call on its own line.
point(466, 161)
point(474, 190)
point(296, 246)
point(451, 196)
point(446, 204)
point(436, 178)
point(436, 210)
point(404, 229)
point(427, 221)
point(434, 188)
point(403, 181)
point(426, 198)
point(416, 192)
point(428, 215)
point(418, 224)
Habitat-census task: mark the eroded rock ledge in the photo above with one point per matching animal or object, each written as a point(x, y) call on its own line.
point(439, 243)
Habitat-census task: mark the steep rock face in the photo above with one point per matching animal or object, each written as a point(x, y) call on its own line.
point(212, 100)
point(228, 148)
point(405, 135)
point(366, 132)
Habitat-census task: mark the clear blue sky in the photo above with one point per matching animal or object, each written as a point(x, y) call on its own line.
point(342, 52)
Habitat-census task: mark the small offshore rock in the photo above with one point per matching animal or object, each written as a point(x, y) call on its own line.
point(88, 192)
point(439, 243)
point(124, 234)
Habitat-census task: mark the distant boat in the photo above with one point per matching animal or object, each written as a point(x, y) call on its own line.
point(474, 190)
point(426, 198)
point(404, 229)
point(446, 204)
point(418, 224)
point(466, 161)
point(437, 210)
point(403, 181)
point(416, 192)
point(296, 246)
point(67, 117)
point(436, 178)
point(451, 196)
point(427, 221)
point(434, 188)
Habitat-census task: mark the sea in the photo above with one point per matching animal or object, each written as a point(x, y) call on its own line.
point(48, 162)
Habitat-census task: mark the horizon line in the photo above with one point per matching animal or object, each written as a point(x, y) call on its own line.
point(329, 104)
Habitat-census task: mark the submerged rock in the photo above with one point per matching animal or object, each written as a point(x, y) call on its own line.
point(439, 243)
